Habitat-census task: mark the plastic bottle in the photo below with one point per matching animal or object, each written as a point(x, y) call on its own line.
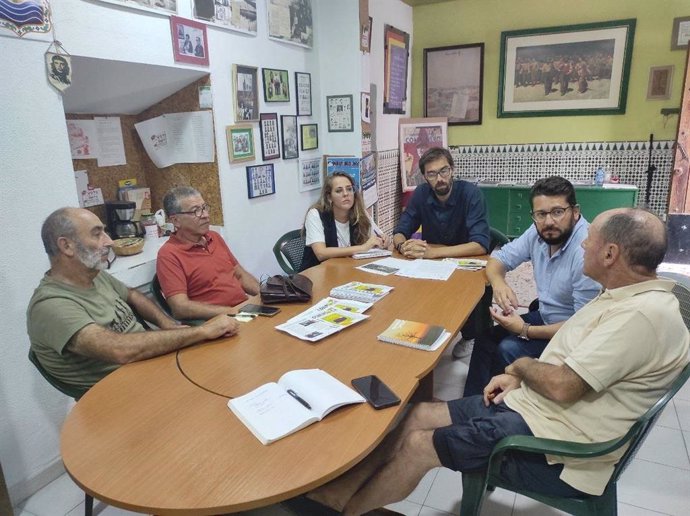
point(599, 176)
point(148, 221)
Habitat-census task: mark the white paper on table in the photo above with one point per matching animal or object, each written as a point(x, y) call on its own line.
point(427, 269)
point(82, 180)
point(178, 138)
point(110, 143)
point(83, 139)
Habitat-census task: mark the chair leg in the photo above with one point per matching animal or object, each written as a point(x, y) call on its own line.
point(473, 485)
point(88, 505)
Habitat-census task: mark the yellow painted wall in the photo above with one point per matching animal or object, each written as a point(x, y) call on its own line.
point(474, 21)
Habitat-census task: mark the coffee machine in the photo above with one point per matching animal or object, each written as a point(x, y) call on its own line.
point(118, 216)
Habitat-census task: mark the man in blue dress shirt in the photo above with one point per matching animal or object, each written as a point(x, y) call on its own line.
point(452, 214)
point(552, 243)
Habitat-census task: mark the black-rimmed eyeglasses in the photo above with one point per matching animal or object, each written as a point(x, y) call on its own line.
point(556, 214)
point(197, 212)
point(444, 173)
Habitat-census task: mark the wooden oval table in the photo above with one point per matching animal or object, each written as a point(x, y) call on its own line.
point(156, 436)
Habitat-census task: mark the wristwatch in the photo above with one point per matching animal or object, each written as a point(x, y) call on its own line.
point(399, 247)
point(523, 333)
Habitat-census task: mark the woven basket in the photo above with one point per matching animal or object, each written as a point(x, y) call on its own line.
point(128, 246)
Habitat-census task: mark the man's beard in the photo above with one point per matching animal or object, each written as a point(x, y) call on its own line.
point(441, 190)
point(92, 259)
point(557, 240)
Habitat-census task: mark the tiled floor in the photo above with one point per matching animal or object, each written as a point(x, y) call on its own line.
point(657, 481)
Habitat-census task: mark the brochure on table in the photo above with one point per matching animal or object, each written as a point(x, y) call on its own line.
point(325, 318)
point(420, 269)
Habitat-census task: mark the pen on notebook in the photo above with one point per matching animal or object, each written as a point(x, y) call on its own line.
point(294, 395)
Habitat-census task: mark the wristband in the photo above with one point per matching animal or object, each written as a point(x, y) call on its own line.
point(523, 333)
point(399, 247)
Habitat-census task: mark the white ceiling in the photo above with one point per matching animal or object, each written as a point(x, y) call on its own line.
point(104, 87)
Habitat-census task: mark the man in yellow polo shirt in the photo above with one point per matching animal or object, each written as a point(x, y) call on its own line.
point(606, 366)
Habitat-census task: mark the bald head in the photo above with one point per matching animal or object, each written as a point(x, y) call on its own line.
point(639, 234)
point(65, 222)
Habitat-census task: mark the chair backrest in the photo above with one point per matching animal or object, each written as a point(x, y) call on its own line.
point(158, 295)
point(496, 238)
point(69, 390)
point(683, 294)
point(288, 250)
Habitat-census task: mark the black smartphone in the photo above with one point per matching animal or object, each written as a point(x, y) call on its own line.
point(377, 393)
point(266, 311)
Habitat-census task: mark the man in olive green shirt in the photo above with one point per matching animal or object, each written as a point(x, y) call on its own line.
point(79, 319)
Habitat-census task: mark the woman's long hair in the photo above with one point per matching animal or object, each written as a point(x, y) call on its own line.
point(357, 215)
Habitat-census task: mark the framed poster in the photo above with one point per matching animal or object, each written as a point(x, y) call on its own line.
point(681, 33)
point(290, 21)
point(339, 113)
point(309, 136)
point(396, 48)
point(417, 135)
point(240, 142)
point(160, 6)
point(453, 83)
point(570, 70)
point(309, 174)
point(660, 81)
point(236, 15)
point(190, 44)
point(288, 126)
point(268, 125)
point(303, 89)
point(260, 180)
point(246, 90)
point(276, 87)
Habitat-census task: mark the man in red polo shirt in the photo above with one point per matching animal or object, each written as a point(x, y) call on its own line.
point(199, 275)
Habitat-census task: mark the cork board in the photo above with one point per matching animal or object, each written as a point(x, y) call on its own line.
point(202, 176)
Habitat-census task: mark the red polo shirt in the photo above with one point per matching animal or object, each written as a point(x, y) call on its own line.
point(204, 273)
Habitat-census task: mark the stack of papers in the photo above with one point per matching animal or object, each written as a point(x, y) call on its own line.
point(325, 318)
point(421, 268)
point(372, 253)
point(362, 292)
point(467, 264)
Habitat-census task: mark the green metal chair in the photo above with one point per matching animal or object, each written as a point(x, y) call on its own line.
point(475, 484)
point(289, 250)
point(157, 294)
point(496, 238)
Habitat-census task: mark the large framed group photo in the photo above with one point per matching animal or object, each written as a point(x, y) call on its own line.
point(568, 70)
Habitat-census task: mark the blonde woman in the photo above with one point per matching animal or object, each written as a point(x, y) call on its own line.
point(337, 225)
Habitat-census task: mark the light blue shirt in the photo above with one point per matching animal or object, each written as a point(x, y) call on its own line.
point(561, 285)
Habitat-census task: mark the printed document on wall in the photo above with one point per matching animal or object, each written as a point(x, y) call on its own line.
point(112, 147)
point(178, 138)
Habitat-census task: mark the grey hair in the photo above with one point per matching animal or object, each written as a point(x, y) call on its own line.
point(171, 201)
point(640, 234)
point(58, 224)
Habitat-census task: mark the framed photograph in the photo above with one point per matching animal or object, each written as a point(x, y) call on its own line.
point(240, 142)
point(365, 36)
point(396, 46)
point(290, 21)
point(303, 92)
point(246, 90)
point(260, 180)
point(453, 83)
point(310, 174)
point(288, 132)
point(276, 87)
point(268, 124)
point(660, 81)
point(190, 44)
point(418, 135)
point(160, 7)
point(309, 136)
point(570, 70)
point(681, 33)
point(365, 106)
point(339, 113)
point(236, 15)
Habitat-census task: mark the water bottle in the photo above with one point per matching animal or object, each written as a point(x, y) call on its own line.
point(599, 176)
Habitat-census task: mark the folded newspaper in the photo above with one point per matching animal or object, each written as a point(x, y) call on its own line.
point(325, 318)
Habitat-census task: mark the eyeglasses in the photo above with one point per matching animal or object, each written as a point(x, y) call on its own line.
point(556, 214)
point(444, 173)
point(197, 212)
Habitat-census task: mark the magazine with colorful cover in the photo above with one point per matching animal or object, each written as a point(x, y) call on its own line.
point(415, 335)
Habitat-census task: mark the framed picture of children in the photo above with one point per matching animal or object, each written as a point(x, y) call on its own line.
point(268, 125)
point(240, 142)
point(276, 85)
point(260, 180)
